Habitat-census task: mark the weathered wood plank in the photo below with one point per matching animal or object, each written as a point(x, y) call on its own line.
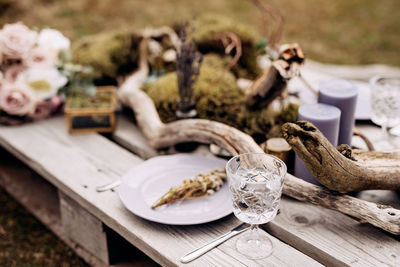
point(385, 197)
point(83, 228)
point(333, 243)
point(77, 164)
point(132, 140)
point(332, 238)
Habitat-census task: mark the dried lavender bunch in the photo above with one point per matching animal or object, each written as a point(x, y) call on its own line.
point(188, 70)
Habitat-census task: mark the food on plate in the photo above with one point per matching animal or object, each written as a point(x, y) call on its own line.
point(198, 186)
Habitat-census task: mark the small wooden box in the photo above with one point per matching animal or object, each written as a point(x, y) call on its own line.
point(92, 119)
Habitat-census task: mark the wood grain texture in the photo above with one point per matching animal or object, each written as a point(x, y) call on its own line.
point(83, 228)
point(41, 199)
point(77, 164)
point(327, 246)
point(336, 171)
point(332, 238)
point(137, 143)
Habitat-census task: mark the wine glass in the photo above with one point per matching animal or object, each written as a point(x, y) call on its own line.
point(385, 104)
point(255, 181)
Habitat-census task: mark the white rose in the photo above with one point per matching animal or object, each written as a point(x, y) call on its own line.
point(44, 82)
point(16, 40)
point(54, 40)
point(40, 57)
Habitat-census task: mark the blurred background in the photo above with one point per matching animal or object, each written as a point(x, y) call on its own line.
point(338, 32)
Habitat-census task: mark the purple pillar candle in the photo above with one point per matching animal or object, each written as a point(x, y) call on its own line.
point(343, 95)
point(327, 119)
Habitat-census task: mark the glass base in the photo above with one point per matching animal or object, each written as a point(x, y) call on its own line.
point(254, 246)
point(395, 131)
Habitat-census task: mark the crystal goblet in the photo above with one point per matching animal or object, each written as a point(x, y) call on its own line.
point(255, 181)
point(385, 104)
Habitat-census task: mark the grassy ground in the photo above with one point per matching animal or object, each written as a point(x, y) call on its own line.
point(24, 241)
point(340, 31)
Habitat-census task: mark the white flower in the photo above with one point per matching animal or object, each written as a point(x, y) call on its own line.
point(54, 40)
point(16, 40)
point(40, 57)
point(169, 55)
point(44, 82)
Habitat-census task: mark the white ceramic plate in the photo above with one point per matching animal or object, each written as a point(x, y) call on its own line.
point(144, 184)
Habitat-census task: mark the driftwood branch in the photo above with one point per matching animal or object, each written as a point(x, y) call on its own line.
point(160, 135)
point(273, 81)
point(340, 170)
point(381, 216)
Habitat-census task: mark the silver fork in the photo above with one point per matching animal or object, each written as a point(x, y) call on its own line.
point(109, 186)
point(194, 254)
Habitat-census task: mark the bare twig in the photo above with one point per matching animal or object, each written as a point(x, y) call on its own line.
point(230, 41)
point(369, 144)
point(274, 37)
point(307, 84)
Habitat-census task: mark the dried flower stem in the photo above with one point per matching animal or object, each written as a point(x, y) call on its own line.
point(188, 70)
point(199, 186)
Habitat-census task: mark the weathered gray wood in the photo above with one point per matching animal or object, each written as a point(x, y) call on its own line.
point(332, 238)
point(384, 197)
point(336, 171)
point(39, 198)
point(327, 248)
point(138, 144)
point(77, 164)
point(83, 228)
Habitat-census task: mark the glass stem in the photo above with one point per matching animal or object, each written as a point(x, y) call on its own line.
point(385, 134)
point(254, 231)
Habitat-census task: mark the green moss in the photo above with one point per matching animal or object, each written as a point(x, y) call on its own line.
point(109, 53)
point(164, 91)
point(208, 26)
point(222, 101)
point(100, 101)
point(114, 53)
point(290, 112)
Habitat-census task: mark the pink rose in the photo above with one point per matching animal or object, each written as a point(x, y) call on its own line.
point(12, 73)
point(17, 98)
point(42, 110)
point(16, 40)
point(40, 57)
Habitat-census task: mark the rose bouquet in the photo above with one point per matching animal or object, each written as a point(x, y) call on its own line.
point(34, 68)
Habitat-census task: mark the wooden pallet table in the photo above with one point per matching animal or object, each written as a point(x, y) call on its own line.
point(55, 178)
